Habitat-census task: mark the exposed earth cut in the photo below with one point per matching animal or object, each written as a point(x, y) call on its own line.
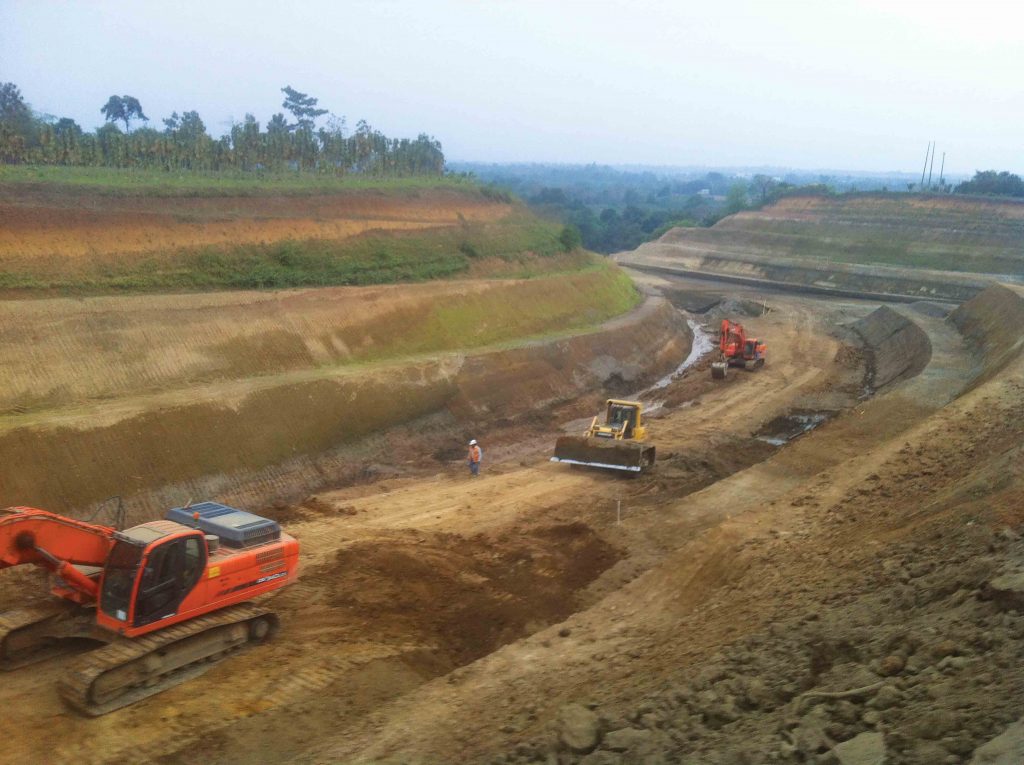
point(825, 565)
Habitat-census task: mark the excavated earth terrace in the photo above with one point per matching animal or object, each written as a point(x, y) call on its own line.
point(745, 602)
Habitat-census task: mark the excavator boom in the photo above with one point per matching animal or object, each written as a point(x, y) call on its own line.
point(56, 543)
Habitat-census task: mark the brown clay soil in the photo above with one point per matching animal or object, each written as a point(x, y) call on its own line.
point(698, 614)
point(64, 223)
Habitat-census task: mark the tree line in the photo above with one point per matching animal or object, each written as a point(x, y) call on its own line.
point(992, 182)
point(184, 143)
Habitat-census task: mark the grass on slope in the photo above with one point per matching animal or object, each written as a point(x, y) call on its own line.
point(128, 182)
point(553, 304)
point(372, 258)
point(909, 231)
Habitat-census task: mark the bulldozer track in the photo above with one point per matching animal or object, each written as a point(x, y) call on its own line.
point(19, 620)
point(134, 669)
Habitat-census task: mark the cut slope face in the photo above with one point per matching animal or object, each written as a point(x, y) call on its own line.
point(873, 245)
point(943, 233)
point(61, 353)
point(70, 240)
point(897, 348)
point(256, 438)
point(66, 222)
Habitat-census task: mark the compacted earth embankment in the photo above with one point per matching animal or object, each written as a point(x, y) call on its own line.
point(146, 358)
point(254, 397)
point(903, 247)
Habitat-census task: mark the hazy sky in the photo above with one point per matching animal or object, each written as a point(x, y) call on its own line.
point(819, 84)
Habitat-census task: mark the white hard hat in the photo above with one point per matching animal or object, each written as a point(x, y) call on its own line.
point(473, 442)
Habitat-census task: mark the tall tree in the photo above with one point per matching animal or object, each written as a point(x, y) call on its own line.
point(302, 107)
point(16, 124)
point(123, 108)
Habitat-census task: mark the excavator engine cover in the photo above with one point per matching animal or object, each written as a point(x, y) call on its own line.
point(236, 528)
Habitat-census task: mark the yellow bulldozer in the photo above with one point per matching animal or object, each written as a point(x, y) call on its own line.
point(618, 444)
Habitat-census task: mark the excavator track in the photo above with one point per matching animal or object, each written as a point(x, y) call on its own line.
point(32, 634)
point(129, 670)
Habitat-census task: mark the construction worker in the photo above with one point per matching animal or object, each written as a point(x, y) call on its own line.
point(475, 455)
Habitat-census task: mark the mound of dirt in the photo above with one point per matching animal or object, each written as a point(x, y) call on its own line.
point(896, 348)
point(992, 321)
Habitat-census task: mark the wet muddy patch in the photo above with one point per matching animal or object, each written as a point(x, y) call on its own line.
point(784, 428)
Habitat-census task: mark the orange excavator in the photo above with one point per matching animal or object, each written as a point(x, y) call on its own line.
point(737, 350)
point(160, 602)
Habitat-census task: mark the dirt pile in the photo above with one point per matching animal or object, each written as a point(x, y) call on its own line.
point(896, 347)
point(992, 322)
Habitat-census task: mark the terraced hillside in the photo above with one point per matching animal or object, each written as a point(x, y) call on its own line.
point(944, 233)
point(88, 239)
point(133, 368)
point(914, 246)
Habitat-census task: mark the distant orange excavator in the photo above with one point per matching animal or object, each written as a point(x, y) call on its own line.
point(737, 350)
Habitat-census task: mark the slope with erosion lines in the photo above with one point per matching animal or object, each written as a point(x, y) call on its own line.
point(942, 233)
point(65, 352)
point(906, 247)
point(253, 439)
point(57, 221)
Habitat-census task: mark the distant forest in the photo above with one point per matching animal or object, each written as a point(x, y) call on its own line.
point(296, 144)
point(615, 209)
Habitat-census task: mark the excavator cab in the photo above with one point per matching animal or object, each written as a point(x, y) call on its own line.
point(145, 583)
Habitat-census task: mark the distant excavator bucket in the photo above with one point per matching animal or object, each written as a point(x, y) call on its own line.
point(610, 454)
point(718, 370)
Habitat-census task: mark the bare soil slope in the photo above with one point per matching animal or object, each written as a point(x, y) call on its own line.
point(48, 221)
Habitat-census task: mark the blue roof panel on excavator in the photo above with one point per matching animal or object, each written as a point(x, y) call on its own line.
point(236, 528)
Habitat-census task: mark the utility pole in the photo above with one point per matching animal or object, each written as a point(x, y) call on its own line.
point(932, 166)
point(925, 168)
point(942, 168)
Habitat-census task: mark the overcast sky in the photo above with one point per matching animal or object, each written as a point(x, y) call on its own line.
point(818, 84)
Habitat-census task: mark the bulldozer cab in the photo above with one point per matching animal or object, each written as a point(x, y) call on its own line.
point(623, 416)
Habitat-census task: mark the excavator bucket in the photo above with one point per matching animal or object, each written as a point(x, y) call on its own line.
point(610, 454)
point(718, 370)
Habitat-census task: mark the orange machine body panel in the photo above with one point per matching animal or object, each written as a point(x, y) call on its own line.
point(147, 577)
point(736, 347)
point(222, 578)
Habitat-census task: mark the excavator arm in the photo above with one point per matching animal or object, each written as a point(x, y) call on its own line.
point(56, 543)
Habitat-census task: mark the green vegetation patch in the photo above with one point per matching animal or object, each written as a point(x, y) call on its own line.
point(553, 304)
point(149, 182)
point(371, 258)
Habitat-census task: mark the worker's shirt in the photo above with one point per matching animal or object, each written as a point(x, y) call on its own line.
point(474, 454)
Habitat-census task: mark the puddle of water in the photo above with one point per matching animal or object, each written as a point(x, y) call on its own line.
point(783, 429)
point(702, 343)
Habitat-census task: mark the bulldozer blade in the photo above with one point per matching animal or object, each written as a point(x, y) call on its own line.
point(628, 456)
